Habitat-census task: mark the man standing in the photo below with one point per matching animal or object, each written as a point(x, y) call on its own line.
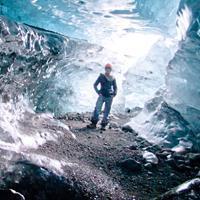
point(108, 90)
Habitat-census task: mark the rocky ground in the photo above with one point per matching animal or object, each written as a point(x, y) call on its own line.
point(115, 164)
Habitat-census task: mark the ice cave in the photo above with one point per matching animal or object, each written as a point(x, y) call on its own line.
point(51, 53)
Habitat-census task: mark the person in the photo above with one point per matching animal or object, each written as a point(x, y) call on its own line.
point(107, 91)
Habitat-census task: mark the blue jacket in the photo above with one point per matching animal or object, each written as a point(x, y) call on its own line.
point(108, 86)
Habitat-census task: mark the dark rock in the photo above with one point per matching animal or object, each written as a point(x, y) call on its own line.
point(36, 182)
point(128, 110)
point(9, 194)
point(172, 162)
point(81, 2)
point(5, 98)
point(179, 165)
point(162, 155)
point(180, 162)
point(128, 128)
point(183, 168)
point(179, 157)
point(187, 162)
point(194, 159)
point(148, 166)
point(167, 151)
point(133, 147)
point(186, 191)
point(130, 165)
point(133, 112)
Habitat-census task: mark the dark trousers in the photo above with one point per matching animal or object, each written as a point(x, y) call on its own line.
point(100, 101)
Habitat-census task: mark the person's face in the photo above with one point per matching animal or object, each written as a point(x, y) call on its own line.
point(108, 70)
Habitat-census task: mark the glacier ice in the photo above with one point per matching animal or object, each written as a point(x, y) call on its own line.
point(161, 124)
point(147, 75)
point(40, 72)
point(161, 13)
point(183, 71)
point(61, 96)
point(47, 67)
point(172, 118)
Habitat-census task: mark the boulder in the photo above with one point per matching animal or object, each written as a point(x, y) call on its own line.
point(150, 157)
point(40, 183)
point(185, 191)
point(194, 159)
point(163, 154)
point(130, 165)
point(9, 194)
point(127, 128)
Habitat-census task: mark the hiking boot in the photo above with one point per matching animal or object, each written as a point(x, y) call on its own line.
point(103, 128)
point(92, 126)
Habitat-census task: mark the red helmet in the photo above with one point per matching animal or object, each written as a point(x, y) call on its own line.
point(108, 65)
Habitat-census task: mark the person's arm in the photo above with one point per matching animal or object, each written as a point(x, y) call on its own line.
point(114, 87)
point(96, 85)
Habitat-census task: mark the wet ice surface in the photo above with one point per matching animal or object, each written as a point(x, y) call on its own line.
point(22, 128)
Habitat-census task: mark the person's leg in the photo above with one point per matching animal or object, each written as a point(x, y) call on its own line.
point(97, 110)
point(108, 104)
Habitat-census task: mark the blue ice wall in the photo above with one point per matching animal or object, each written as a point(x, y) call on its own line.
point(183, 72)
